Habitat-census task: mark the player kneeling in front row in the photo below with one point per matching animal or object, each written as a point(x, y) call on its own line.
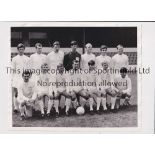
point(57, 90)
point(105, 86)
point(123, 87)
point(53, 100)
point(27, 95)
point(75, 91)
point(90, 88)
point(42, 88)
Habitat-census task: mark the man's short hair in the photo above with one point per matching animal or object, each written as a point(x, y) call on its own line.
point(88, 45)
point(103, 47)
point(60, 65)
point(38, 45)
point(56, 43)
point(119, 45)
point(123, 70)
point(75, 61)
point(20, 45)
point(44, 66)
point(27, 72)
point(74, 42)
point(104, 63)
point(91, 63)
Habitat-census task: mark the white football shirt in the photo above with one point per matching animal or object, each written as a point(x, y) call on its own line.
point(123, 84)
point(36, 60)
point(27, 90)
point(85, 58)
point(119, 61)
point(100, 59)
point(19, 63)
point(90, 80)
point(54, 59)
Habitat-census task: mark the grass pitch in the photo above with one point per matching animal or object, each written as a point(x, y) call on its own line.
point(123, 118)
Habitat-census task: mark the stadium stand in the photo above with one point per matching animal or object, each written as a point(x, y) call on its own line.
point(110, 36)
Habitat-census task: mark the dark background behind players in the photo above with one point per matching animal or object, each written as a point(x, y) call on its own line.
point(110, 36)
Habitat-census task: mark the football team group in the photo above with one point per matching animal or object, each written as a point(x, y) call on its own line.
point(75, 83)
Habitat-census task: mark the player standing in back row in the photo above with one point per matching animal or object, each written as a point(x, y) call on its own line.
point(71, 56)
point(119, 60)
point(36, 60)
point(55, 57)
point(87, 56)
point(103, 57)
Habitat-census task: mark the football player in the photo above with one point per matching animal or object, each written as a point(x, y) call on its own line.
point(43, 88)
point(75, 90)
point(123, 87)
point(36, 60)
point(57, 89)
point(119, 60)
point(105, 86)
point(19, 63)
point(26, 95)
point(85, 58)
point(90, 87)
point(71, 56)
point(55, 57)
point(103, 57)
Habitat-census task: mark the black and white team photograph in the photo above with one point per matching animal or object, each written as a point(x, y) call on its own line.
point(74, 76)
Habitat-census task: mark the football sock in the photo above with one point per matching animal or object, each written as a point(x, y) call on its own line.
point(41, 104)
point(113, 101)
point(108, 99)
point(50, 104)
point(122, 101)
point(104, 103)
point(67, 103)
point(22, 110)
point(28, 111)
point(98, 102)
point(15, 103)
point(56, 105)
point(83, 101)
point(75, 103)
point(91, 103)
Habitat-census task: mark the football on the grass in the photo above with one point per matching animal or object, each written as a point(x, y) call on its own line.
point(80, 111)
